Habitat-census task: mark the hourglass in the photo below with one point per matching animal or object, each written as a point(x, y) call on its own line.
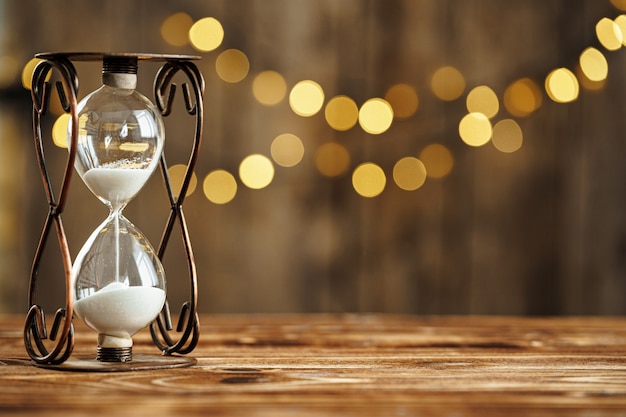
point(116, 284)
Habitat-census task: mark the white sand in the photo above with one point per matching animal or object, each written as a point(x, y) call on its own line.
point(120, 311)
point(116, 185)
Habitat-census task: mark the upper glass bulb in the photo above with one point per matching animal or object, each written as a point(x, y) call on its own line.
point(120, 135)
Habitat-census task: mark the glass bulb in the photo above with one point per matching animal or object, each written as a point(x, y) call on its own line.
point(119, 281)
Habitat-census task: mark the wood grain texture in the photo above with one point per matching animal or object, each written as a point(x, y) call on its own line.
point(348, 365)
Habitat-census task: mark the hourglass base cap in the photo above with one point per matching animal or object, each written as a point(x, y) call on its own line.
point(107, 354)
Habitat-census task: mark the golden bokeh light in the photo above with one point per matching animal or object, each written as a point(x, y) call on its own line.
point(437, 159)
point(287, 150)
point(306, 98)
point(256, 171)
point(562, 86)
point(219, 186)
point(507, 136)
point(206, 34)
point(232, 65)
point(447, 83)
point(620, 21)
point(483, 99)
point(369, 180)
point(341, 113)
point(60, 129)
point(176, 174)
point(269, 88)
point(175, 29)
point(522, 97)
point(475, 129)
point(27, 73)
point(332, 159)
point(593, 64)
point(619, 4)
point(375, 116)
point(409, 173)
point(609, 34)
point(403, 100)
point(586, 83)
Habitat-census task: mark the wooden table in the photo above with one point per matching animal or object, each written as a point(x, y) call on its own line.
point(348, 365)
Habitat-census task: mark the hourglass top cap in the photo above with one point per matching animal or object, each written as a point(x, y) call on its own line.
point(101, 56)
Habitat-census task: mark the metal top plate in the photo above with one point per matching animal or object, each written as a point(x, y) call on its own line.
point(99, 56)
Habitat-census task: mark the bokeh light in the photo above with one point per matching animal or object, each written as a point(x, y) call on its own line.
point(375, 116)
point(269, 88)
point(409, 173)
point(522, 97)
point(341, 113)
point(256, 171)
point(621, 23)
point(594, 65)
point(219, 186)
point(483, 99)
point(447, 83)
point(437, 159)
point(306, 98)
point(332, 159)
point(562, 85)
point(619, 4)
point(27, 73)
point(507, 136)
point(609, 34)
point(60, 129)
point(175, 29)
point(368, 180)
point(232, 65)
point(176, 174)
point(403, 100)
point(586, 83)
point(206, 34)
point(287, 150)
point(475, 129)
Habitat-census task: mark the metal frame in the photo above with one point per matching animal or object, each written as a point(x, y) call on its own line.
point(62, 330)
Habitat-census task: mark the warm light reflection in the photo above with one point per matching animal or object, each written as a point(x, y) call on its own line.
point(437, 159)
point(219, 186)
point(375, 116)
point(232, 65)
point(176, 174)
point(593, 64)
point(507, 136)
point(269, 88)
point(256, 171)
point(609, 34)
point(482, 99)
point(287, 150)
point(447, 83)
point(475, 129)
point(409, 173)
point(341, 113)
point(522, 97)
point(332, 159)
point(562, 86)
point(368, 180)
point(175, 29)
point(306, 98)
point(206, 34)
point(403, 100)
point(59, 130)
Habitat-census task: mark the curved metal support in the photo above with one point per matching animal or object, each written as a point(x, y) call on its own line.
point(62, 331)
point(164, 92)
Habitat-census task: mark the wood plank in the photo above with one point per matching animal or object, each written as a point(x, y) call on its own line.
point(346, 365)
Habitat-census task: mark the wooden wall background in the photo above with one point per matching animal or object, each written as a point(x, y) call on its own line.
point(539, 231)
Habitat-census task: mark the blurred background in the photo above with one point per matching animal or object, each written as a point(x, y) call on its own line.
point(402, 156)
